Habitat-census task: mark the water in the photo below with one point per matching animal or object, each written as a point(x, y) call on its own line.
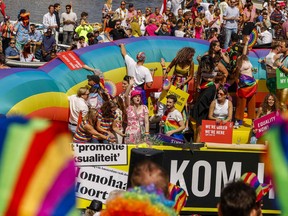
point(94, 7)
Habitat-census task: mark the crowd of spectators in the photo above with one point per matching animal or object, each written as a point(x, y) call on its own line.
point(208, 20)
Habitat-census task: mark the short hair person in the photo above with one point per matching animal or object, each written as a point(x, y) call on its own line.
point(141, 74)
point(173, 119)
point(237, 199)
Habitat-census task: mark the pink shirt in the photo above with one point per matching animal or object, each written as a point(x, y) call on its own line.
point(247, 14)
point(150, 29)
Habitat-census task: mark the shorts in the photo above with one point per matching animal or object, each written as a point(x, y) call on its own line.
point(248, 28)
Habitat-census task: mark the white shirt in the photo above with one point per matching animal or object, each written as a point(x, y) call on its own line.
point(179, 33)
point(231, 12)
point(30, 58)
point(123, 16)
point(269, 59)
point(76, 104)
point(140, 73)
point(221, 110)
point(223, 6)
point(71, 16)
point(205, 6)
point(175, 4)
point(208, 16)
point(266, 37)
point(49, 20)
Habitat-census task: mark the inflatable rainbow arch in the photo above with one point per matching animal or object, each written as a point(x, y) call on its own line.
point(43, 92)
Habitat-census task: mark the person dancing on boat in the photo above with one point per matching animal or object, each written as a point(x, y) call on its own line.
point(183, 72)
point(184, 68)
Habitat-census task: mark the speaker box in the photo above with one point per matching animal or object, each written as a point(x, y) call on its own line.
point(141, 154)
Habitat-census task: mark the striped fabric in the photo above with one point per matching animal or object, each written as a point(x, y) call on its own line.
point(261, 189)
point(81, 136)
point(37, 169)
point(247, 86)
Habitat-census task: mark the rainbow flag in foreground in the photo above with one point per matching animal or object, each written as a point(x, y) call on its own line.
point(36, 168)
point(277, 156)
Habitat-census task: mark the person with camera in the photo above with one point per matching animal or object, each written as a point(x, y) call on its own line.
point(83, 29)
point(163, 30)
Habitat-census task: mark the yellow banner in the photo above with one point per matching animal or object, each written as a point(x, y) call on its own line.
point(182, 97)
point(150, 107)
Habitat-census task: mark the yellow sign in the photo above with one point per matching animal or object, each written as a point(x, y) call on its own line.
point(182, 97)
point(150, 107)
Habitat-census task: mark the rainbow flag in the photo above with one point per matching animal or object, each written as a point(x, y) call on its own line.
point(37, 170)
point(277, 156)
point(247, 86)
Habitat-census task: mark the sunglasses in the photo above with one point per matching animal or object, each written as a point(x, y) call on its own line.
point(12, 42)
point(221, 94)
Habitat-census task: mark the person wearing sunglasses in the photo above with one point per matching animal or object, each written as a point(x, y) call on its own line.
point(221, 108)
point(12, 52)
point(123, 13)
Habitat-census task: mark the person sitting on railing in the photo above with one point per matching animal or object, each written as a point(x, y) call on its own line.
point(27, 55)
point(48, 44)
point(12, 52)
point(221, 108)
point(172, 119)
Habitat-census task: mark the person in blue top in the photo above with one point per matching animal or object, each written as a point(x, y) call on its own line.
point(12, 52)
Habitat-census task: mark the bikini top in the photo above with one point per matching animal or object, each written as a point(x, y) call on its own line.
point(182, 71)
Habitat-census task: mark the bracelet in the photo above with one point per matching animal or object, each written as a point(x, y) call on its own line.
point(164, 68)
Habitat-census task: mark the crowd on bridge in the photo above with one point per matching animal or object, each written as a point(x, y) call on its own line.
point(209, 20)
point(223, 70)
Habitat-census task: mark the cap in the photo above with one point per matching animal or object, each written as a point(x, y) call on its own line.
point(260, 189)
point(95, 205)
point(135, 93)
point(141, 56)
point(94, 78)
point(130, 5)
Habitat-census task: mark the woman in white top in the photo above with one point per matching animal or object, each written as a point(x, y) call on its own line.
point(107, 8)
point(221, 108)
point(27, 55)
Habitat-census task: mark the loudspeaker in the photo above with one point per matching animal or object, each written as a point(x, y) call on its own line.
point(141, 154)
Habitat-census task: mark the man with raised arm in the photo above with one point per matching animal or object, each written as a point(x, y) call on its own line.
point(141, 74)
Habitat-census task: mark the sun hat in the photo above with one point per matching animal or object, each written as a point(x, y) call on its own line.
point(141, 56)
point(135, 93)
point(251, 179)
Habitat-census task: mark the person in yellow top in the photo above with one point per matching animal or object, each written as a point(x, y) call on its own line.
point(184, 68)
point(83, 29)
point(183, 73)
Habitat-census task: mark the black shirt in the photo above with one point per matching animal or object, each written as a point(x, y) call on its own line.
point(117, 34)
